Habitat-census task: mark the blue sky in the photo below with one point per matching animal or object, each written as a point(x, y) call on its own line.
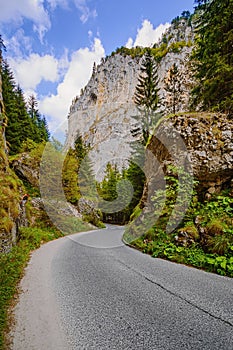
point(52, 44)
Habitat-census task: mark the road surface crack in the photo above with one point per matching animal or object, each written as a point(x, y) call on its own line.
point(177, 295)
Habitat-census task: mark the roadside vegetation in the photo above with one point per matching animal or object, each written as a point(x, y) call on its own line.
point(204, 238)
point(12, 269)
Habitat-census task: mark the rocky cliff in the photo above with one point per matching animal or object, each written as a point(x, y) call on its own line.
point(104, 113)
point(201, 143)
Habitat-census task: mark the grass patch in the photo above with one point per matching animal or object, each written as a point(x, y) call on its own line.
point(12, 268)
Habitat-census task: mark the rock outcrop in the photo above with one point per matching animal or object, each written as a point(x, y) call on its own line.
point(201, 142)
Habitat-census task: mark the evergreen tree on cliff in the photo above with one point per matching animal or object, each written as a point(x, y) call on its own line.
point(173, 86)
point(146, 94)
point(214, 55)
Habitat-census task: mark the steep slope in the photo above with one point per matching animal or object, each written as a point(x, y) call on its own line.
point(9, 193)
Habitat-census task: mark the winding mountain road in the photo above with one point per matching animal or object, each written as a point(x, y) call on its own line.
point(90, 291)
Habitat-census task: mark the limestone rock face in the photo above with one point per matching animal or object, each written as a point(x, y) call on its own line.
point(105, 112)
point(103, 115)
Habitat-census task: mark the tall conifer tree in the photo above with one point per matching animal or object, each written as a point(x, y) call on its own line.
point(146, 94)
point(173, 86)
point(214, 55)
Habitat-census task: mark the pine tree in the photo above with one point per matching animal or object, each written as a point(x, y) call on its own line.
point(214, 55)
point(23, 122)
point(146, 94)
point(2, 47)
point(173, 87)
point(80, 148)
point(39, 125)
point(18, 122)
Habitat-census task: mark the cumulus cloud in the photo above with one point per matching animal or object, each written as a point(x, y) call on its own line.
point(18, 42)
point(15, 10)
point(31, 71)
point(147, 35)
point(56, 106)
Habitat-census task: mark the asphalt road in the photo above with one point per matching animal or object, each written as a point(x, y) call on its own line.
point(89, 291)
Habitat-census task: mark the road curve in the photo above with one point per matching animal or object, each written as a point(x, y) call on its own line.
point(90, 291)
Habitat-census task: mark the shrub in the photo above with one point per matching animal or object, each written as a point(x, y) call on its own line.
point(218, 244)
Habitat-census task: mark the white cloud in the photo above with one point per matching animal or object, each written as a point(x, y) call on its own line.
point(18, 42)
point(147, 35)
point(55, 3)
point(85, 10)
point(57, 105)
point(31, 71)
point(15, 10)
point(81, 5)
point(129, 43)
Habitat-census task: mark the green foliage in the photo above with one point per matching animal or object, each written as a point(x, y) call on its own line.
point(23, 122)
point(158, 51)
point(213, 55)
point(107, 189)
point(9, 194)
point(136, 176)
point(203, 239)
point(35, 236)
point(78, 182)
point(176, 194)
point(163, 246)
point(39, 124)
point(70, 177)
point(117, 186)
point(94, 217)
point(28, 145)
point(185, 15)
point(176, 47)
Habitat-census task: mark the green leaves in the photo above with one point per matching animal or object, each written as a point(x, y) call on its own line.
point(213, 55)
point(23, 122)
